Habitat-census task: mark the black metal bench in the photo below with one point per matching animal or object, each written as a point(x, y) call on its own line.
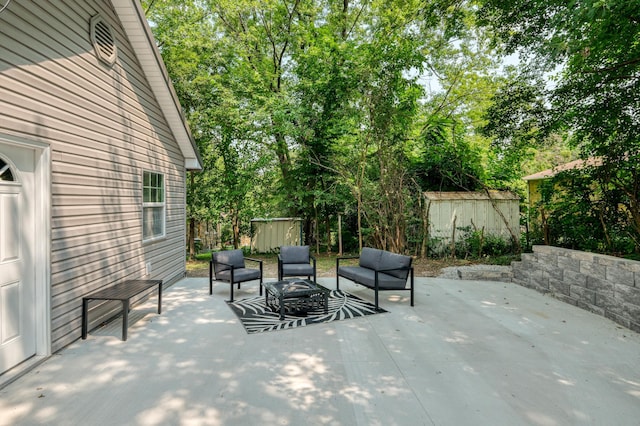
point(122, 292)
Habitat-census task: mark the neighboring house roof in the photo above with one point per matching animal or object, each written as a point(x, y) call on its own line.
point(577, 164)
point(139, 33)
point(467, 195)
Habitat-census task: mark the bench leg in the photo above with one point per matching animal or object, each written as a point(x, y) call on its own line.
point(160, 298)
point(412, 287)
point(281, 308)
point(85, 313)
point(125, 319)
point(376, 288)
point(210, 277)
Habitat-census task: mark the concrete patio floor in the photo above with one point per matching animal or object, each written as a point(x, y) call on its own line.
point(468, 353)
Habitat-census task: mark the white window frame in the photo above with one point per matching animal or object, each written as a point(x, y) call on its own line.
point(152, 199)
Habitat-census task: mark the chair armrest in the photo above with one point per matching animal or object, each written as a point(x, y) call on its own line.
point(339, 258)
point(402, 268)
point(254, 260)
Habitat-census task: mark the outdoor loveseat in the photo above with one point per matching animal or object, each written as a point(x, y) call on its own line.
point(378, 270)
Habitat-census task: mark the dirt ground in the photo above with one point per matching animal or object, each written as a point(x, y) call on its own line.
point(326, 267)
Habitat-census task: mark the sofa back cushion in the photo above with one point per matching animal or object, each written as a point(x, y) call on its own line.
point(370, 258)
point(390, 260)
point(229, 257)
point(294, 254)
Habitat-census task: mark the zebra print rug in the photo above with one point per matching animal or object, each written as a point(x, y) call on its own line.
point(258, 318)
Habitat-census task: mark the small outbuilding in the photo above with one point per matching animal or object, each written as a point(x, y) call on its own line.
point(267, 235)
point(497, 213)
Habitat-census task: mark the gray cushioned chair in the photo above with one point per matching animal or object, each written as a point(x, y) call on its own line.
point(296, 261)
point(229, 266)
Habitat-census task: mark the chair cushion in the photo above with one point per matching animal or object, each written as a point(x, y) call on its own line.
point(297, 269)
point(294, 254)
point(370, 258)
point(390, 260)
point(239, 275)
point(229, 257)
point(367, 277)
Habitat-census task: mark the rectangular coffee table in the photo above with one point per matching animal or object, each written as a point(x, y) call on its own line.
point(296, 295)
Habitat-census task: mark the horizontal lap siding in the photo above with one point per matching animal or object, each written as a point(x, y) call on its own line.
point(470, 213)
point(105, 128)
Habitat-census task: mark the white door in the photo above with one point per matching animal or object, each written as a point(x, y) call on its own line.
point(17, 269)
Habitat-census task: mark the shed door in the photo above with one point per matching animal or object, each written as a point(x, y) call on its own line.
point(17, 277)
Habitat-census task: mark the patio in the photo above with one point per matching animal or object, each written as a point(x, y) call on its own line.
point(468, 353)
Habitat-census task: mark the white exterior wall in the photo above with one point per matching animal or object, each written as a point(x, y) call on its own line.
point(104, 128)
point(480, 212)
point(269, 234)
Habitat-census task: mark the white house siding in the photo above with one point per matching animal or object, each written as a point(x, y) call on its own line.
point(467, 209)
point(104, 128)
point(269, 234)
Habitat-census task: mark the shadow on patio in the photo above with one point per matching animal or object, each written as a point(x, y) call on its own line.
point(468, 353)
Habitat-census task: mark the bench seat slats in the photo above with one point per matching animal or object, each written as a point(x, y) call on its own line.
point(122, 292)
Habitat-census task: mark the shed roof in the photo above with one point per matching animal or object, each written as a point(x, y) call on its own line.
point(275, 219)
point(577, 164)
point(470, 195)
point(139, 33)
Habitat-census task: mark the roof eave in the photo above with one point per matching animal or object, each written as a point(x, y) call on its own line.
point(141, 38)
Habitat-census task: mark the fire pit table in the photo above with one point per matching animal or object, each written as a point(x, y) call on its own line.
point(296, 296)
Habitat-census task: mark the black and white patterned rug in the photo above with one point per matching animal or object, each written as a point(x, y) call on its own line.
point(257, 318)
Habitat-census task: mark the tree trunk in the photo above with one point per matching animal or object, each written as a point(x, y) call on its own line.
point(316, 231)
point(235, 220)
point(327, 221)
point(339, 234)
point(360, 220)
point(453, 238)
point(192, 238)
point(425, 228)
point(514, 238)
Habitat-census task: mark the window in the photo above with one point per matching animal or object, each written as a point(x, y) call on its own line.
point(5, 172)
point(153, 205)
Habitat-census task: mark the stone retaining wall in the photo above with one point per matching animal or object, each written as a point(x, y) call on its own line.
point(606, 285)
point(478, 273)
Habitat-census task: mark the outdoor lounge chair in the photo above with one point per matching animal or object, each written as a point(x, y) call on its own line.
point(295, 261)
point(229, 266)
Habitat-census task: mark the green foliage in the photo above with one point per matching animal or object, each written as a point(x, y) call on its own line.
point(445, 161)
point(476, 245)
point(591, 51)
point(317, 108)
point(584, 213)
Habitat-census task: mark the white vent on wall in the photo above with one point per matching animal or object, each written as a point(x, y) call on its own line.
point(103, 41)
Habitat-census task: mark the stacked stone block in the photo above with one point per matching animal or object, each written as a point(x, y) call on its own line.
point(606, 285)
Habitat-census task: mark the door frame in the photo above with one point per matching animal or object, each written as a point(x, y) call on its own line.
point(42, 249)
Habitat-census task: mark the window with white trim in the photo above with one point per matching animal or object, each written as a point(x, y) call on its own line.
point(153, 205)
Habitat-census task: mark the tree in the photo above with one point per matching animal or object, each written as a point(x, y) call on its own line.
point(204, 75)
point(328, 96)
point(596, 92)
